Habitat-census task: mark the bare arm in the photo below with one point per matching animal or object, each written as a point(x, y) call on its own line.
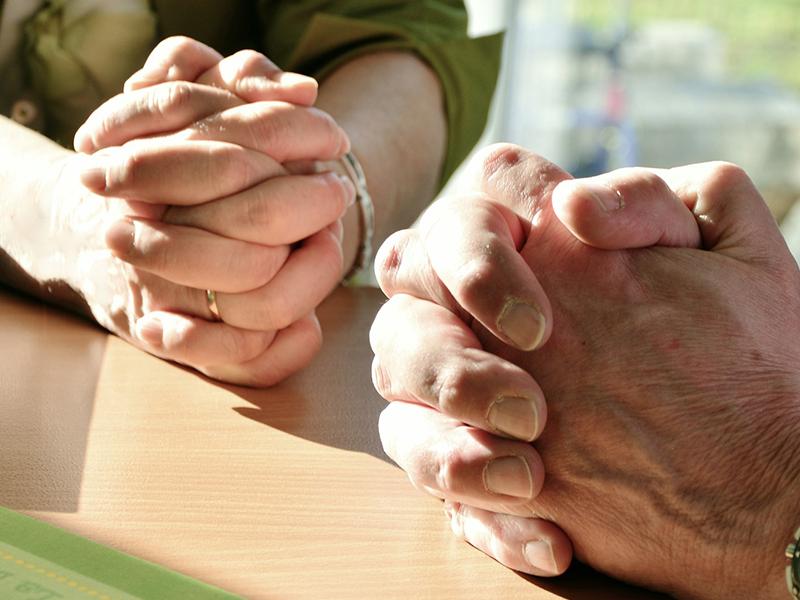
point(391, 106)
point(38, 248)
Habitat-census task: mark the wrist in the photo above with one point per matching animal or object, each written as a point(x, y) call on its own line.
point(68, 228)
point(761, 564)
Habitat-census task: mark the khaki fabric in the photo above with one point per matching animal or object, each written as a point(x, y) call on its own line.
point(77, 57)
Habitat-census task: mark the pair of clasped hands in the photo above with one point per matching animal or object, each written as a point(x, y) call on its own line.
point(209, 171)
point(605, 368)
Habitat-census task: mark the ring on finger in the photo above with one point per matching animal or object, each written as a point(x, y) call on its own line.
point(211, 300)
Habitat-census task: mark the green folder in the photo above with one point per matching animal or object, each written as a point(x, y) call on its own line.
point(41, 562)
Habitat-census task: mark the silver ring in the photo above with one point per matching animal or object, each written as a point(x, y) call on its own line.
point(211, 300)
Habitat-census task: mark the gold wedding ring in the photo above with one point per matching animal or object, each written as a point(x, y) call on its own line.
point(211, 300)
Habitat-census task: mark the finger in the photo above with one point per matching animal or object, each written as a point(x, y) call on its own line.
point(178, 172)
point(471, 244)
point(309, 275)
point(443, 365)
point(253, 77)
point(528, 545)
point(248, 74)
point(176, 58)
point(731, 214)
point(292, 350)
point(627, 208)
point(337, 229)
point(402, 266)
point(198, 343)
point(195, 258)
point(284, 131)
point(448, 459)
point(156, 109)
point(519, 179)
point(282, 210)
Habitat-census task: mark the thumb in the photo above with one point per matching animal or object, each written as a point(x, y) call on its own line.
point(732, 216)
point(624, 209)
point(714, 206)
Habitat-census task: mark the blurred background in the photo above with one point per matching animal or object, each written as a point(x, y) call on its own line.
point(595, 85)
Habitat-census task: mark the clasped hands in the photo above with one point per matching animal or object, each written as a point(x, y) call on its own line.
point(207, 168)
point(604, 367)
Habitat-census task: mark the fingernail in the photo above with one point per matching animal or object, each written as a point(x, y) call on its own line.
point(608, 199)
point(523, 324)
point(515, 417)
point(350, 188)
point(93, 173)
point(344, 148)
point(145, 78)
point(151, 330)
point(120, 237)
point(289, 79)
point(454, 516)
point(81, 141)
point(539, 554)
point(509, 476)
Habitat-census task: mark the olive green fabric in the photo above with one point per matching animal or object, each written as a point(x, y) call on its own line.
point(315, 36)
point(74, 63)
point(77, 60)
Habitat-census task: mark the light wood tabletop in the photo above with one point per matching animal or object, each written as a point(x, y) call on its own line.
point(278, 493)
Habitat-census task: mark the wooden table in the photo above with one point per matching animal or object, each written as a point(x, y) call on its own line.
point(279, 493)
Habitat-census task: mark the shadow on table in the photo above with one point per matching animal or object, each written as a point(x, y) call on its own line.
point(332, 402)
point(581, 582)
point(48, 378)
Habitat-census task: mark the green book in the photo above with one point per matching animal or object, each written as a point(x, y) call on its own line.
point(41, 562)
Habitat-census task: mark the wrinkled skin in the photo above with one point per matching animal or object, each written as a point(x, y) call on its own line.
point(671, 377)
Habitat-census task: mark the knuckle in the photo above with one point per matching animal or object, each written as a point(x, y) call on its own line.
point(174, 97)
point(269, 124)
point(497, 157)
point(389, 260)
point(645, 180)
point(453, 390)
point(727, 171)
point(474, 279)
point(174, 46)
point(724, 176)
point(239, 168)
point(451, 468)
point(257, 213)
point(249, 62)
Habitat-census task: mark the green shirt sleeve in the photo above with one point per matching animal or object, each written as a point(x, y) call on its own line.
point(315, 36)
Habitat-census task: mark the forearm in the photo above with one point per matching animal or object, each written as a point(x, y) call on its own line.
point(35, 254)
point(392, 108)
